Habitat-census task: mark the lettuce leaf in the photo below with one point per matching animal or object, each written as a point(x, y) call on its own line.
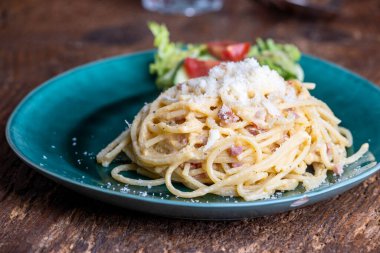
point(282, 58)
point(169, 56)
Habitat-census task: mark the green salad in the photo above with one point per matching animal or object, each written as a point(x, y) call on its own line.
point(177, 62)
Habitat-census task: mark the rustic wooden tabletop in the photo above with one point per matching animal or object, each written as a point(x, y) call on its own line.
point(39, 39)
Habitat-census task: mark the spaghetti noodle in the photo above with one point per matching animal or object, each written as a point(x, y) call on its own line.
point(241, 131)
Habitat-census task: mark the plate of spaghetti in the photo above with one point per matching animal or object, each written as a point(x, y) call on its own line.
point(241, 141)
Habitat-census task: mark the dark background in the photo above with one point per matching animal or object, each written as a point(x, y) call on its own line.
point(41, 38)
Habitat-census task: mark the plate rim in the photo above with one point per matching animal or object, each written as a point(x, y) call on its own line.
point(167, 202)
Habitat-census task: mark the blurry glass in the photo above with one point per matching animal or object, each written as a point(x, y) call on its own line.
point(306, 8)
point(186, 7)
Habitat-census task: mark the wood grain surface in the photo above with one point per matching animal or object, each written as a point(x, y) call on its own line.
point(39, 39)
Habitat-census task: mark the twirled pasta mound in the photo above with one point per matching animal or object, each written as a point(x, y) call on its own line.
point(241, 131)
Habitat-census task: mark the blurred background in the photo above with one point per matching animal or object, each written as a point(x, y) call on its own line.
point(41, 38)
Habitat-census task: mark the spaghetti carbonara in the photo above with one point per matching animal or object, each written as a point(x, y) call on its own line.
point(241, 131)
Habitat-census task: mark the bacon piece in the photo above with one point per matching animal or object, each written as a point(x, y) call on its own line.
point(235, 150)
point(235, 165)
point(253, 129)
point(195, 165)
point(226, 115)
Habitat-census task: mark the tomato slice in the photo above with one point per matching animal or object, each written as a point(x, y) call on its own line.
point(196, 68)
point(229, 51)
point(237, 52)
point(216, 48)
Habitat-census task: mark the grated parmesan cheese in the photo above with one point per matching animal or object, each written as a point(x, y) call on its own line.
point(214, 135)
point(271, 108)
point(252, 92)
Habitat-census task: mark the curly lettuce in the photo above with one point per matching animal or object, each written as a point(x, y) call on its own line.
point(282, 58)
point(169, 55)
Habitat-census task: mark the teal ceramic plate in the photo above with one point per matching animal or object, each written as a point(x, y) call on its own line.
point(59, 127)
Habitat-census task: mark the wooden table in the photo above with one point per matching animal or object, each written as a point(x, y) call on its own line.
point(39, 39)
